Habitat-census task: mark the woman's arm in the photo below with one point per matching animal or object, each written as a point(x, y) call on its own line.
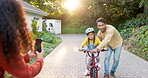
point(26, 58)
point(20, 69)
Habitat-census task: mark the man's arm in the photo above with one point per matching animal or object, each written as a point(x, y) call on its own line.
point(20, 69)
point(99, 35)
point(107, 38)
point(26, 58)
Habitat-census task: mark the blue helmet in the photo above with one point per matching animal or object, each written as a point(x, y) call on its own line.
point(88, 30)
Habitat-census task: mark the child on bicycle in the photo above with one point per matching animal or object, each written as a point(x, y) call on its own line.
point(91, 42)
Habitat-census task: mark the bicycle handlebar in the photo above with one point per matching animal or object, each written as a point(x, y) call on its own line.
point(91, 52)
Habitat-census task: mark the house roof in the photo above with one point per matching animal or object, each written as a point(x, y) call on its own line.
point(32, 9)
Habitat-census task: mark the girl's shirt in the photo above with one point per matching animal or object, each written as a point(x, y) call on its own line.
point(91, 42)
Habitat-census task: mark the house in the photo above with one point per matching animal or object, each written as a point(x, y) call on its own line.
point(33, 13)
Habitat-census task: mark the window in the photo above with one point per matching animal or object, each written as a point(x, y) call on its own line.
point(50, 25)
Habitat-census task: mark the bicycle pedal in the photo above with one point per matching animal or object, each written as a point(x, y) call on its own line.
point(87, 75)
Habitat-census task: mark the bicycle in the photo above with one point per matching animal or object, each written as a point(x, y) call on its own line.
point(94, 68)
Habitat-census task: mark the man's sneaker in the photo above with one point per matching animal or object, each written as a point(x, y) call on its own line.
point(106, 76)
point(112, 74)
point(87, 72)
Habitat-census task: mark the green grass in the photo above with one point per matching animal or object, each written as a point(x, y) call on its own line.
point(73, 30)
point(76, 29)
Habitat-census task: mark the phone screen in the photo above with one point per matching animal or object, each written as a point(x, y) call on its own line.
point(38, 45)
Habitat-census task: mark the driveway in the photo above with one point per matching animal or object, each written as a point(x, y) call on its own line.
point(67, 62)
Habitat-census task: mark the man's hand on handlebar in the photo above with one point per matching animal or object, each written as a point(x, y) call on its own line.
point(104, 49)
point(94, 50)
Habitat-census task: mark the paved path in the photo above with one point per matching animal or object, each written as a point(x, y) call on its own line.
point(67, 62)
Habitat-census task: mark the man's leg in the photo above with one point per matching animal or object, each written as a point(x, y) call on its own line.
point(107, 60)
point(116, 58)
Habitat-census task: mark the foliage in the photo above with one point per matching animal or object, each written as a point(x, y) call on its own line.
point(76, 26)
point(115, 11)
point(129, 26)
point(50, 41)
point(49, 6)
point(126, 33)
point(44, 26)
point(48, 37)
point(139, 42)
point(48, 47)
point(73, 30)
point(7, 75)
point(34, 26)
point(143, 2)
point(135, 32)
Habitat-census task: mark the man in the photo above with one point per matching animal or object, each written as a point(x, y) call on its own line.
point(112, 39)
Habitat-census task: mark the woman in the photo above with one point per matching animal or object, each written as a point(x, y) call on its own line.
point(15, 41)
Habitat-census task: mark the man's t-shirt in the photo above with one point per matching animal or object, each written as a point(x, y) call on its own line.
point(110, 37)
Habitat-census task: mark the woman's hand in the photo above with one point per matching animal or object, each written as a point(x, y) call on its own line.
point(40, 54)
point(31, 54)
point(105, 49)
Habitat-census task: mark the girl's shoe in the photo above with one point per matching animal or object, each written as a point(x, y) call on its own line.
point(99, 66)
point(87, 72)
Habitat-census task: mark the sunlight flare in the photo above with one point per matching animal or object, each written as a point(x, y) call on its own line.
point(71, 4)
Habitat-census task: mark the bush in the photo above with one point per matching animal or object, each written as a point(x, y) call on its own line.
point(130, 25)
point(126, 33)
point(34, 26)
point(139, 44)
point(44, 26)
point(48, 37)
point(48, 47)
point(50, 41)
point(135, 32)
point(74, 30)
point(76, 26)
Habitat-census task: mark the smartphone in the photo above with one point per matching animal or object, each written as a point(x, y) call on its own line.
point(38, 45)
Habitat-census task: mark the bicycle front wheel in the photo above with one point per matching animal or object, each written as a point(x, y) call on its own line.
point(94, 71)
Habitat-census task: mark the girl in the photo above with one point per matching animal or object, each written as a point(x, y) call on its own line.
point(91, 42)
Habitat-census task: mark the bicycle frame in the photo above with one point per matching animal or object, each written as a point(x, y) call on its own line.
point(93, 67)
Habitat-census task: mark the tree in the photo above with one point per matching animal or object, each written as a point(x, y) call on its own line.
point(49, 6)
point(115, 11)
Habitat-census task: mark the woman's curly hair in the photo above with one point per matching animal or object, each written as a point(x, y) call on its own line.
point(13, 29)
